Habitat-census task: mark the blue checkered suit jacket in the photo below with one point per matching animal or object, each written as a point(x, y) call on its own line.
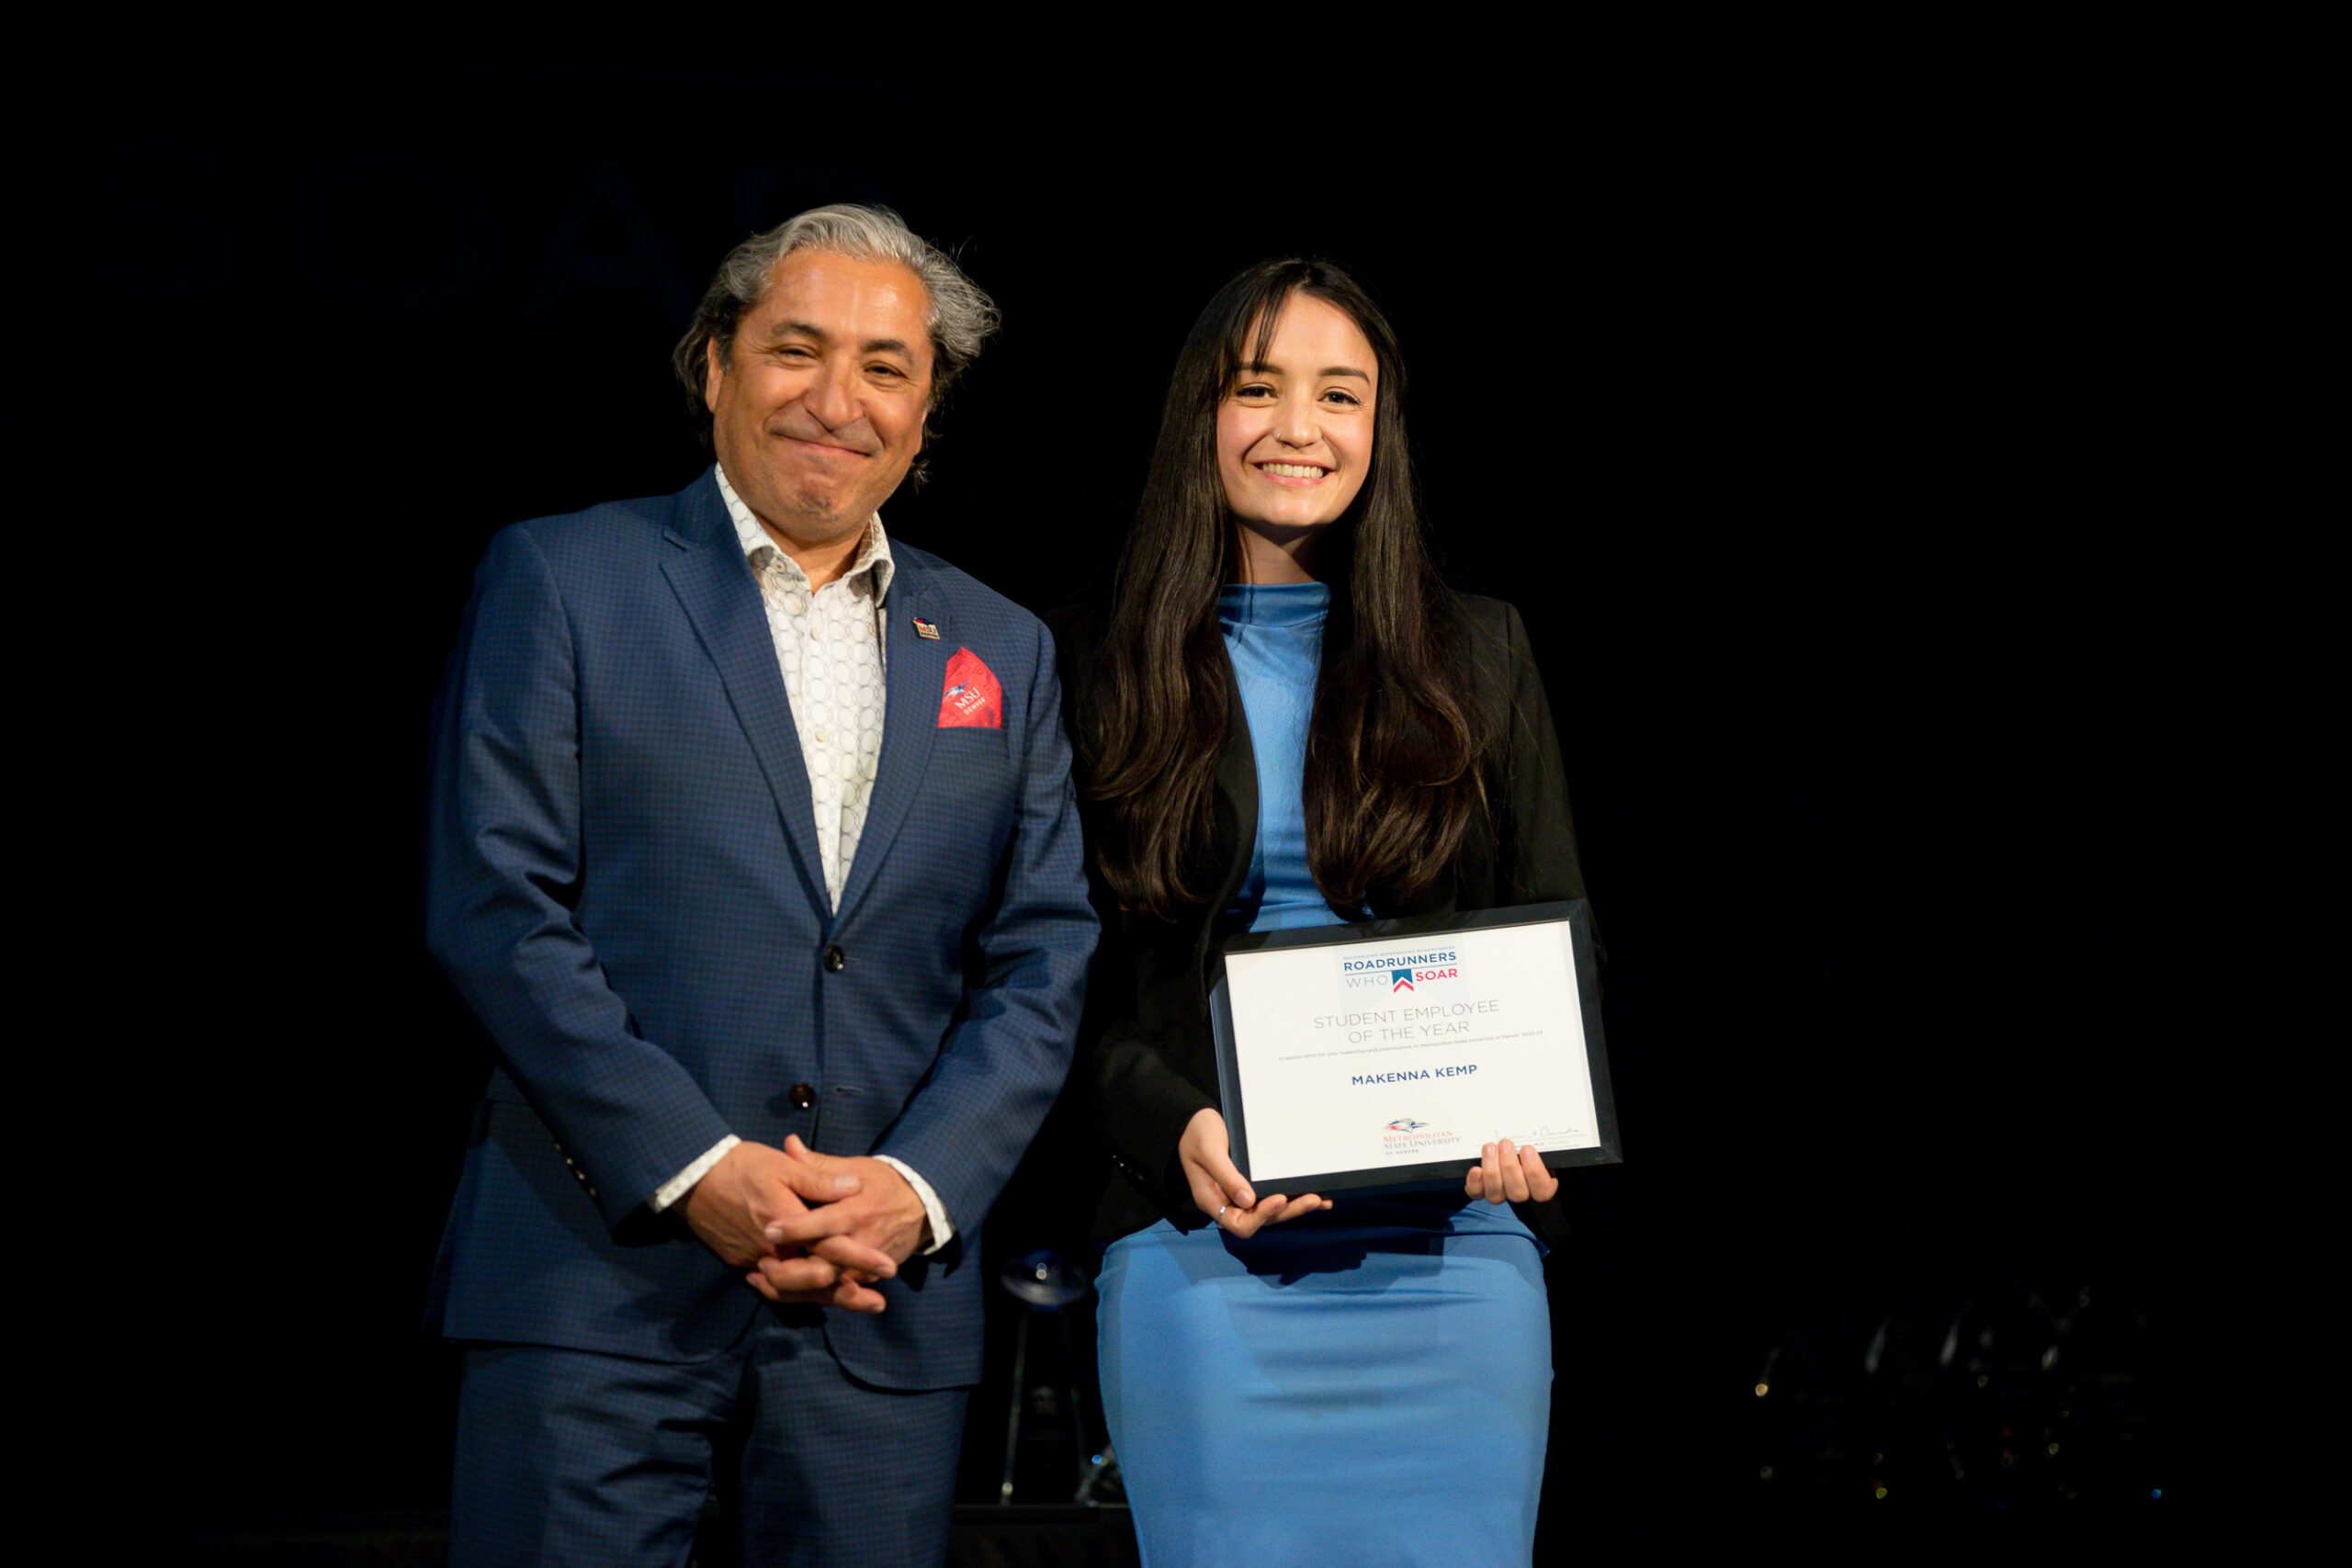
point(623, 882)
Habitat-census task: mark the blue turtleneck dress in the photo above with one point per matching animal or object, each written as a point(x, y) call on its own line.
point(1369, 1384)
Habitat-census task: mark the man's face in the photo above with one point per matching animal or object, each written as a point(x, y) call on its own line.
point(817, 408)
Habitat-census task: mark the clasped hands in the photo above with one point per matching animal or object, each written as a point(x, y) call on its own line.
point(806, 1228)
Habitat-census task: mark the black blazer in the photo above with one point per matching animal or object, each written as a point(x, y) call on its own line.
point(1146, 1043)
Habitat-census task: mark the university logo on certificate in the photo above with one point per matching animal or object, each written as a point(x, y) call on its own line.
point(1386, 1054)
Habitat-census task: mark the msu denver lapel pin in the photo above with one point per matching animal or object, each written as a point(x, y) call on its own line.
point(926, 629)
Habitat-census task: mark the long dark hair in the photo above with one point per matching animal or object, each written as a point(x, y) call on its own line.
point(1391, 756)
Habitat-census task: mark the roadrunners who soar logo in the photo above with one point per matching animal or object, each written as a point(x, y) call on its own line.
point(1395, 974)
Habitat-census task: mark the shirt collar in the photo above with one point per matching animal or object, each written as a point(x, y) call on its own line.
point(873, 551)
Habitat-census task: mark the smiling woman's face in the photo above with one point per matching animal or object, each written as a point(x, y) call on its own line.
point(1293, 434)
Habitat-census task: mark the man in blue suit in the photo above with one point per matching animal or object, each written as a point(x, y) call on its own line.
point(753, 848)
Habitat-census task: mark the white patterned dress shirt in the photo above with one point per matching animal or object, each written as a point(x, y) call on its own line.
point(829, 646)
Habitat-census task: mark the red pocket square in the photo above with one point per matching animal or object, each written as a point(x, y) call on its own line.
point(973, 700)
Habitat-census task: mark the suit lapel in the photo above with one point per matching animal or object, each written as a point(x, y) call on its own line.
point(916, 677)
point(1233, 828)
point(708, 571)
point(1236, 827)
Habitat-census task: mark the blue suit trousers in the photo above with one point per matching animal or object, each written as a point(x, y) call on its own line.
point(580, 1457)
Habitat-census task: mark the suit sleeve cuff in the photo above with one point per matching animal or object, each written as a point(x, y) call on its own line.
point(683, 1183)
point(941, 1233)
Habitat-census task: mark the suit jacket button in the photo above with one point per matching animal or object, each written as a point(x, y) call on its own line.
point(835, 961)
point(803, 1096)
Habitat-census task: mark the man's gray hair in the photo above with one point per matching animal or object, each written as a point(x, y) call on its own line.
point(961, 317)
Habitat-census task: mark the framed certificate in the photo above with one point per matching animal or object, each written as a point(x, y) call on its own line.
point(1385, 1054)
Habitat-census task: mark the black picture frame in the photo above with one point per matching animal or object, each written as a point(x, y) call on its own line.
point(1575, 913)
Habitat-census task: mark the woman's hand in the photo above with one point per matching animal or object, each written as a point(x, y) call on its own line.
point(1207, 1154)
point(1506, 1174)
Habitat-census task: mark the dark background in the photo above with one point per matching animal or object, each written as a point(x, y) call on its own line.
point(1831, 448)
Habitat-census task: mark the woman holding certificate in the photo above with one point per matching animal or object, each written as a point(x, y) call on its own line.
point(1284, 719)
